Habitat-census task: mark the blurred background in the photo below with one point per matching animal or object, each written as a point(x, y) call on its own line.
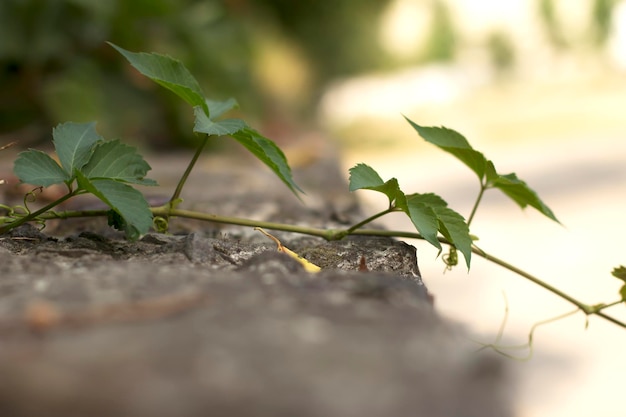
point(539, 86)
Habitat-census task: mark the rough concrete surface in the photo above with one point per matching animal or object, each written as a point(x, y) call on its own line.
point(211, 320)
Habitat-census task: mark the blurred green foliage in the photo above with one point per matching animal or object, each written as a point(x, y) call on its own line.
point(442, 38)
point(55, 66)
point(601, 15)
point(599, 24)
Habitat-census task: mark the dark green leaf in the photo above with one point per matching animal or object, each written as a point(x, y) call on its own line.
point(168, 72)
point(114, 160)
point(454, 228)
point(490, 172)
point(425, 221)
point(523, 195)
point(38, 168)
point(73, 143)
point(619, 272)
point(622, 292)
point(268, 153)
point(454, 143)
point(225, 127)
point(363, 176)
point(124, 199)
point(449, 223)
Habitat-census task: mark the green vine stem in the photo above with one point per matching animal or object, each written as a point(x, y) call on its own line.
point(370, 219)
point(483, 188)
point(328, 234)
point(179, 187)
point(37, 214)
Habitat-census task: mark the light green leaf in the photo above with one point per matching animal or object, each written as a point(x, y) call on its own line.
point(268, 153)
point(38, 168)
point(454, 143)
point(116, 161)
point(363, 176)
point(73, 143)
point(523, 195)
point(218, 108)
point(129, 203)
point(206, 125)
point(169, 73)
point(450, 223)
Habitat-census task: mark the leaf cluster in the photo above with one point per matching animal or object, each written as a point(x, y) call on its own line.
point(88, 163)
point(173, 75)
point(428, 212)
point(457, 145)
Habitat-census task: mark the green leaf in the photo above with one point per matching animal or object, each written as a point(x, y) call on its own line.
point(169, 73)
point(490, 172)
point(428, 212)
point(425, 221)
point(73, 143)
point(268, 153)
point(454, 143)
point(454, 228)
point(449, 223)
point(38, 168)
point(363, 176)
point(117, 161)
point(619, 272)
point(218, 108)
point(206, 125)
point(129, 203)
point(523, 195)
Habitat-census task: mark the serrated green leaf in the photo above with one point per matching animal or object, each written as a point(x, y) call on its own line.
point(225, 127)
point(117, 161)
point(523, 195)
point(169, 73)
point(455, 144)
point(38, 168)
point(218, 108)
point(619, 272)
point(73, 143)
point(622, 292)
point(129, 203)
point(363, 176)
point(449, 223)
point(268, 153)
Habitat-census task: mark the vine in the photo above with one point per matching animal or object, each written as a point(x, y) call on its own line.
point(109, 169)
